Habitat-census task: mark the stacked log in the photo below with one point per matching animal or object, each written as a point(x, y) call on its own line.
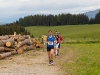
point(17, 44)
point(1, 44)
point(36, 43)
point(2, 49)
point(3, 55)
point(4, 37)
point(14, 44)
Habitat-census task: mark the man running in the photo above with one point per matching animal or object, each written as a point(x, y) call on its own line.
point(59, 41)
point(50, 47)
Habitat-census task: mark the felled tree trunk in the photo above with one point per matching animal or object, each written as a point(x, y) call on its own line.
point(1, 44)
point(24, 47)
point(20, 50)
point(29, 47)
point(26, 36)
point(10, 43)
point(13, 52)
point(2, 49)
point(22, 43)
point(4, 42)
point(20, 39)
point(10, 49)
point(3, 55)
point(14, 37)
point(4, 37)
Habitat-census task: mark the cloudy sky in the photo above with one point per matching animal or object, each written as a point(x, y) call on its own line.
point(12, 10)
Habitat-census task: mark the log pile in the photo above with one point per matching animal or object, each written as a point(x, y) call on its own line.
point(36, 43)
point(14, 44)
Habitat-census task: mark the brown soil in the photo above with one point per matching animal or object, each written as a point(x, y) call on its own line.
point(32, 63)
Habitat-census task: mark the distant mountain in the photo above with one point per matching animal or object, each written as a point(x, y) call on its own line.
point(91, 14)
point(2, 23)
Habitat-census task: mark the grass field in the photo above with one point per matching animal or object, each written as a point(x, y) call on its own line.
point(84, 60)
point(72, 31)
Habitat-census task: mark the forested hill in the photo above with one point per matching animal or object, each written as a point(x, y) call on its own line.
point(10, 29)
point(57, 20)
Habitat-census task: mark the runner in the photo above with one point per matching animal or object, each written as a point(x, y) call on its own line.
point(44, 39)
point(59, 41)
point(50, 47)
point(55, 47)
point(57, 38)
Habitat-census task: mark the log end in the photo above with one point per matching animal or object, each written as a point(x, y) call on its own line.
point(8, 44)
point(19, 51)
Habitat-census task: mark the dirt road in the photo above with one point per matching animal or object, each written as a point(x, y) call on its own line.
point(29, 63)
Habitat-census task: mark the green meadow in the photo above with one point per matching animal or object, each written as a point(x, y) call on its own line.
point(69, 31)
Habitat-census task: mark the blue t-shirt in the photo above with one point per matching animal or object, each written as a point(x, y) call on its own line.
point(50, 41)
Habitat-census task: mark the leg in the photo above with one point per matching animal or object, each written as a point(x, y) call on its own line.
point(52, 54)
point(49, 56)
point(44, 43)
point(58, 49)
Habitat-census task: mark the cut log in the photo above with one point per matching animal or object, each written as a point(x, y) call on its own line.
point(4, 37)
point(4, 42)
point(20, 50)
point(2, 49)
point(1, 44)
point(10, 43)
point(13, 52)
point(15, 43)
point(24, 47)
point(14, 33)
point(15, 37)
point(20, 39)
point(5, 55)
point(10, 49)
point(26, 36)
point(33, 40)
point(29, 47)
point(41, 46)
point(22, 43)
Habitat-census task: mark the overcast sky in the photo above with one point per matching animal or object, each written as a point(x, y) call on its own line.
point(12, 10)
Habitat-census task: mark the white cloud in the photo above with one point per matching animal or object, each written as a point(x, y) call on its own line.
point(19, 8)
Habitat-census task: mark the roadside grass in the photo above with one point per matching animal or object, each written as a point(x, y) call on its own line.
point(85, 59)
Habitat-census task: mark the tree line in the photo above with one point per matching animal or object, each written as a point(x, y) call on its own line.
point(57, 20)
point(10, 29)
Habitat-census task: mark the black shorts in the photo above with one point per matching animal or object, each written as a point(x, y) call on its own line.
point(59, 46)
point(49, 48)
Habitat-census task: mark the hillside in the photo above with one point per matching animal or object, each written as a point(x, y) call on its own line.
point(72, 31)
point(91, 14)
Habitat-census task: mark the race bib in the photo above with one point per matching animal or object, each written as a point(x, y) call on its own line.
point(50, 43)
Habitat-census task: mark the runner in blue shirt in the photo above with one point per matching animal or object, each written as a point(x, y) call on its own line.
point(50, 47)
